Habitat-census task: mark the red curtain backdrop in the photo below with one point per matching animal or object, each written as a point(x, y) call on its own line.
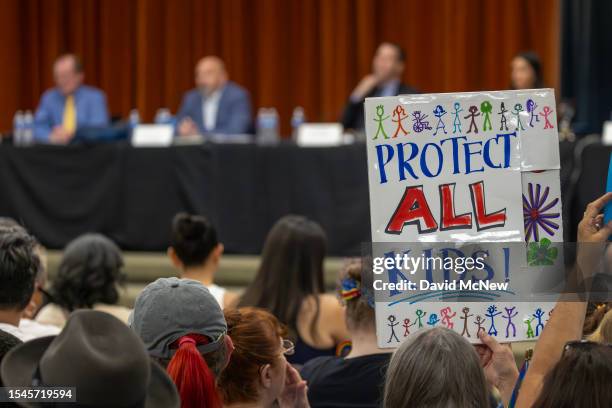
point(285, 52)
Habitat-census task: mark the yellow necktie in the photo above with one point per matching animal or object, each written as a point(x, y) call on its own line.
point(69, 121)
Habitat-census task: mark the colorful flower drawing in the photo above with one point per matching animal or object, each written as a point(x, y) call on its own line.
point(537, 214)
point(541, 253)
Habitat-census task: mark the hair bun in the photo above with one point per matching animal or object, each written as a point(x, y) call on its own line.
point(191, 227)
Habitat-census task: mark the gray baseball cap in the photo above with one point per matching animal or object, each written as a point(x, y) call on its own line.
point(170, 308)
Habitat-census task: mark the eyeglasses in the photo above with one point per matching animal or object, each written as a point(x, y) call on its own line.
point(288, 347)
point(583, 345)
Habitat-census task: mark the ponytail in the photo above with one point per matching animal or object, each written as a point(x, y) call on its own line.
point(190, 372)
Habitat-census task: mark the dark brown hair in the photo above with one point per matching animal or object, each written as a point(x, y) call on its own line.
point(291, 270)
point(256, 336)
point(193, 238)
point(580, 379)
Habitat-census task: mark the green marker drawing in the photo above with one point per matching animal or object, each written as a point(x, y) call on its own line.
point(380, 111)
point(541, 253)
point(530, 334)
point(486, 108)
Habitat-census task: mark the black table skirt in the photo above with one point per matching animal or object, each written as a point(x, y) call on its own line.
point(132, 194)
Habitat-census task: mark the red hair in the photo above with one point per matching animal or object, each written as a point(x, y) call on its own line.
point(190, 372)
point(256, 335)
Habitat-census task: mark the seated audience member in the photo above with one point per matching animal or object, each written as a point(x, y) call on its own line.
point(87, 278)
point(100, 357)
point(19, 265)
point(183, 329)
point(289, 284)
point(565, 371)
point(70, 105)
point(356, 380)
point(195, 251)
point(439, 368)
point(216, 106)
point(29, 327)
point(526, 71)
point(385, 80)
point(258, 374)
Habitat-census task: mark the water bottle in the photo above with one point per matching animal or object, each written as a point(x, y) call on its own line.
point(27, 136)
point(297, 119)
point(267, 125)
point(163, 116)
point(17, 128)
point(134, 118)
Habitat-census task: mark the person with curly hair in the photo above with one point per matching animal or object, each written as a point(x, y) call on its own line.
point(88, 277)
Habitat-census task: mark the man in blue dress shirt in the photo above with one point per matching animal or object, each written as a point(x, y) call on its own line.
point(70, 105)
point(216, 106)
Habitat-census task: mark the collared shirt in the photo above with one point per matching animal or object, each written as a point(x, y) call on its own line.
point(90, 106)
point(16, 331)
point(29, 330)
point(210, 107)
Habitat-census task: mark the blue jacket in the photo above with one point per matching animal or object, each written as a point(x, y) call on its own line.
point(91, 110)
point(233, 116)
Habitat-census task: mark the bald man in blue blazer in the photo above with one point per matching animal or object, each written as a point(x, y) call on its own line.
point(217, 105)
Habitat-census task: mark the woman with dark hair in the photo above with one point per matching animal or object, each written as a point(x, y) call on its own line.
point(331, 380)
point(88, 277)
point(289, 284)
point(196, 252)
point(526, 71)
point(258, 374)
point(581, 378)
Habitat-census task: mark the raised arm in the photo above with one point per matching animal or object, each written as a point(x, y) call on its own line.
point(567, 320)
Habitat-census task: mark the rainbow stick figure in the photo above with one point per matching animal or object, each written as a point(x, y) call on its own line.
point(504, 119)
point(491, 313)
point(466, 311)
point(420, 123)
point(486, 108)
point(397, 114)
point(518, 108)
point(530, 334)
point(380, 111)
point(510, 313)
point(447, 316)
point(531, 107)
point(433, 319)
point(546, 113)
point(457, 120)
point(407, 326)
point(420, 314)
point(479, 323)
point(538, 315)
point(392, 324)
point(473, 113)
point(438, 113)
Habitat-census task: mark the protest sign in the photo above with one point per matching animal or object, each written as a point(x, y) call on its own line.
point(477, 167)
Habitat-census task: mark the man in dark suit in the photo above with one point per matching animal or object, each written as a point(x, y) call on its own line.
point(217, 105)
point(385, 80)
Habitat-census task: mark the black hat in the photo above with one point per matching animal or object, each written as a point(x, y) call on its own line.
point(98, 355)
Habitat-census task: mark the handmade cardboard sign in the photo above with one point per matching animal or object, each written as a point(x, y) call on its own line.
point(478, 167)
